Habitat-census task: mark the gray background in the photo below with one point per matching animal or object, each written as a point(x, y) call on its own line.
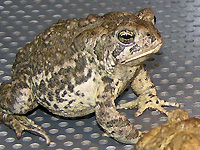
point(175, 70)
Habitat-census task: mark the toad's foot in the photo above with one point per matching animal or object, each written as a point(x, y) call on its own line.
point(144, 102)
point(21, 123)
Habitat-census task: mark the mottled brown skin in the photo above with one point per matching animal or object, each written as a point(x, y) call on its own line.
point(76, 67)
point(180, 133)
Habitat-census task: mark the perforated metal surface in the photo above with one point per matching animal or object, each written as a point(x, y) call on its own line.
point(175, 71)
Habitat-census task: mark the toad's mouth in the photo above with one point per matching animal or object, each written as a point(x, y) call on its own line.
point(141, 53)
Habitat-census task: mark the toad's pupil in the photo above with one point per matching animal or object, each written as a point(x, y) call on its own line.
point(127, 36)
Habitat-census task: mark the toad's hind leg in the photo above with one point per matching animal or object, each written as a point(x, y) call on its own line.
point(15, 101)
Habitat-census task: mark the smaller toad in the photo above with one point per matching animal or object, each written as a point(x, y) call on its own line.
point(180, 133)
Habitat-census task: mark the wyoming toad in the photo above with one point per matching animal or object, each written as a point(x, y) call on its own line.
point(76, 67)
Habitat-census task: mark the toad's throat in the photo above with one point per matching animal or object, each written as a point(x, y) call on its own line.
point(140, 53)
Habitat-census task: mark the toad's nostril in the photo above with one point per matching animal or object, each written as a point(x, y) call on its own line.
point(153, 38)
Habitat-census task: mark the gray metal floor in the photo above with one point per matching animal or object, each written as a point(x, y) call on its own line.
point(176, 71)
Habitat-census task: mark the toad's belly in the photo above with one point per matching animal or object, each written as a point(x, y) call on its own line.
point(72, 105)
point(77, 101)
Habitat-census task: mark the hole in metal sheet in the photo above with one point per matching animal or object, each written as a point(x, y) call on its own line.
point(180, 80)
point(197, 79)
point(10, 140)
point(87, 129)
point(154, 125)
point(172, 87)
point(46, 125)
point(180, 92)
point(63, 124)
point(27, 139)
point(52, 144)
point(128, 147)
point(86, 142)
point(3, 133)
point(94, 135)
point(70, 130)
point(163, 119)
point(131, 120)
point(61, 137)
point(53, 131)
point(68, 143)
point(138, 126)
point(78, 136)
point(93, 148)
point(172, 75)
point(39, 119)
point(34, 145)
point(2, 147)
point(103, 142)
point(146, 120)
point(17, 146)
point(155, 113)
point(110, 148)
point(189, 86)
point(80, 123)
point(196, 104)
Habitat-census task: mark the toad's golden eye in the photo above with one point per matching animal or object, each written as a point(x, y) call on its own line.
point(126, 36)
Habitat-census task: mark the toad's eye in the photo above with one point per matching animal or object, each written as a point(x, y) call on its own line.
point(126, 36)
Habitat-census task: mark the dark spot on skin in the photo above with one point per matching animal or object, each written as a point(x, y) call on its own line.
point(42, 87)
point(64, 93)
point(50, 96)
point(119, 48)
point(47, 102)
point(46, 72)
point(71, 88)
point(63, 71)
point(152, 86)
point(82, 94)
point(108, 88)
point(39, 71)
point(81, 63)
point(29, 99)
point(55, 106)
point(149, 101)
point(81, 79)
point(78, 93)
point(57, 91)
point(91, 60)
point(71, 101)
point(157, 102)
point(107, 79)
point(153, 39)
point(151, 95)
point(54, 81)
point(60, 100)
point(117, 83)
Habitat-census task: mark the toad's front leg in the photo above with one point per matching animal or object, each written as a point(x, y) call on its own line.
point(114, 124)
point(147, 95)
